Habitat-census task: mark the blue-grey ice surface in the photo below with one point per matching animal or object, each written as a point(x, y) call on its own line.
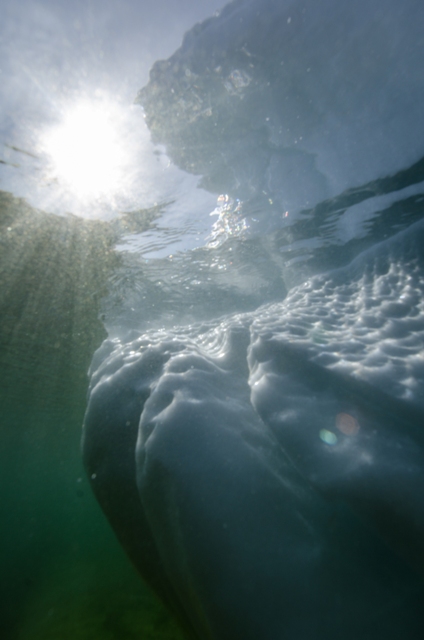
point(262, 461)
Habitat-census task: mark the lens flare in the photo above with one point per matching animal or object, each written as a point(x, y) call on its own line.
point(347, 424)
point(85, 150)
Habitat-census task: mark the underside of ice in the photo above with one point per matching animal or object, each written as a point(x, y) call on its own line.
point(265, 472)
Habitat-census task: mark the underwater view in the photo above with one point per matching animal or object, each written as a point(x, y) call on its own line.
point(212, 320)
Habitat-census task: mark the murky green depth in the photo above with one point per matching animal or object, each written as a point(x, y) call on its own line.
point(63, 574)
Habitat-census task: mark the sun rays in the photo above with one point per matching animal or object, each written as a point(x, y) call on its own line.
point(86, 149)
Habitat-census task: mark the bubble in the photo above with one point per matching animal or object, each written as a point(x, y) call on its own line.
point(230, 223)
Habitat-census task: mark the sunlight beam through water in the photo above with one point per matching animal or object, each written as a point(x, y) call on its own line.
point(86, 150)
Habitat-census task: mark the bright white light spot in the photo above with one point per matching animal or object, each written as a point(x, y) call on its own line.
point(86, 150)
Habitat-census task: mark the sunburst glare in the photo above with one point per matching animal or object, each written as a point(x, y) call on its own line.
point(86, 150)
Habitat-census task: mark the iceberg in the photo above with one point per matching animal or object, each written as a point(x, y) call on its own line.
point(264, 470)
point(292, 102)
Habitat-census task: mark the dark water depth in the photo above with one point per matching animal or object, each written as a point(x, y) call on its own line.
point(63, 574)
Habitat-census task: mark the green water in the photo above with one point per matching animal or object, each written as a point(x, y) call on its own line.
point(63, 574)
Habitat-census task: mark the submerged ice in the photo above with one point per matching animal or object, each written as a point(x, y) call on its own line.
point(264, 470)
point(206, 451)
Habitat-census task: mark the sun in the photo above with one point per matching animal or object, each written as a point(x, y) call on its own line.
point(86, 151)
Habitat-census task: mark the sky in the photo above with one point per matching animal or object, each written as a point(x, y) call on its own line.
point(59, 59)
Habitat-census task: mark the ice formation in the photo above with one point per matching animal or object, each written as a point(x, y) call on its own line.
point(265, 472)
point(293, 101)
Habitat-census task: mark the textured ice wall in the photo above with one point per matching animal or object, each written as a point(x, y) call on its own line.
point(266, 472)
point(293, 101)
